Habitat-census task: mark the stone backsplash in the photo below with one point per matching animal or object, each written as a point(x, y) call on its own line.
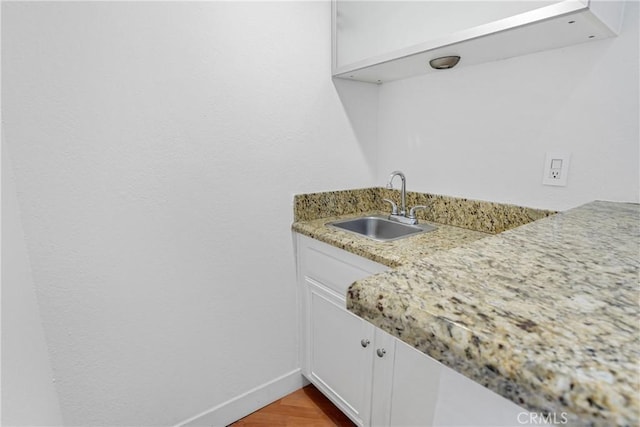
point(487, 217)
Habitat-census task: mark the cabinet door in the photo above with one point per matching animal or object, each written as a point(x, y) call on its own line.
point(340, 352)
point(382, 382)
point(415, 387)
point(337, 345)
point(405, 386)
point(462, 401)
point(412, 389)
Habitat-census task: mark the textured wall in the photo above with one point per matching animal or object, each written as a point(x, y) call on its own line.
point(482, 131)
point(157, 145)
point(156, 148)
point(29, 397)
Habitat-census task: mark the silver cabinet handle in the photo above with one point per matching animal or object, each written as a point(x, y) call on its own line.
point(381, 352)
point(365, 342)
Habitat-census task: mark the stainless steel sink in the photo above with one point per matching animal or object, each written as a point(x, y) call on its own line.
point(381, 229)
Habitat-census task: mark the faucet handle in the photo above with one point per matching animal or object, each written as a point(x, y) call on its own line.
point(412, 211)
point(394, 207)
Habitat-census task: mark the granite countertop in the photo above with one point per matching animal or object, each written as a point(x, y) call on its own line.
point(546, 314)
point(393, 253)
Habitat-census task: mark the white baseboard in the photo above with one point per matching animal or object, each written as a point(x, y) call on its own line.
point(246, 403)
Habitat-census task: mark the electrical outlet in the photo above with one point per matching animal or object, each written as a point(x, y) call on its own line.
point(556, 168)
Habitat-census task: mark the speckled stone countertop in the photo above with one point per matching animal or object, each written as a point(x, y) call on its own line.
point(546, 315)
point(393, 253)
point(458, 221)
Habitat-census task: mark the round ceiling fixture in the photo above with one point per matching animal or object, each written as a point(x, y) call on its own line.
point(444, 62)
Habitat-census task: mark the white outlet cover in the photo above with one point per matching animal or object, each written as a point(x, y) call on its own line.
point(552, 175)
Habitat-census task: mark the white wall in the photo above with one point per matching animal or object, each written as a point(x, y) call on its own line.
point(482, 131)
point(156, 147)
point(28, 394)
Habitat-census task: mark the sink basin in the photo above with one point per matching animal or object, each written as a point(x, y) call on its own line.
point(378, 228)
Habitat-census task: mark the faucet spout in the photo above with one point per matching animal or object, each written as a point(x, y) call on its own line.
point(403, 190)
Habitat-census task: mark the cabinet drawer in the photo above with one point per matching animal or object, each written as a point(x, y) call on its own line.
point(334, 268)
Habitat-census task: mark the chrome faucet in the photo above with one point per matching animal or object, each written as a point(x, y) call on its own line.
point(403, 190)
point(401, 216)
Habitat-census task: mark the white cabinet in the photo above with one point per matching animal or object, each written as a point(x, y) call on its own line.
point(462, 402)
point(416, 390)
point(411, 387)
point(374, 378)
point(338, 364)
point(337, 346)
point(379, 41)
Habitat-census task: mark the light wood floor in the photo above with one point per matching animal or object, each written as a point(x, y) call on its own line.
point(304, 407)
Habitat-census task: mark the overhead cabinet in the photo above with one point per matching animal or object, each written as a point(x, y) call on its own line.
point(380, 41)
